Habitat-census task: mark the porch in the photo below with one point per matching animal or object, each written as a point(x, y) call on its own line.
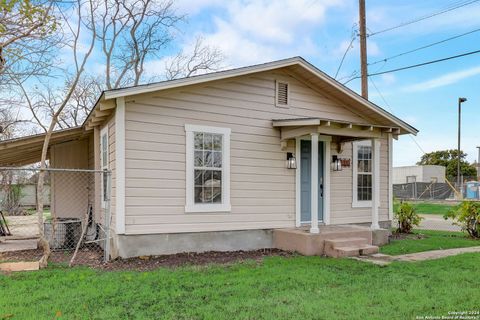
point(332, 240)
point(343, 171)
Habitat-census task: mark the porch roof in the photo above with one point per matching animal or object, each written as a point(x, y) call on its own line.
point(291, 128)
point(27, 150)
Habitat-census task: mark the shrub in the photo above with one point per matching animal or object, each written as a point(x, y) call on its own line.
point(407, 217)
point(467, 216)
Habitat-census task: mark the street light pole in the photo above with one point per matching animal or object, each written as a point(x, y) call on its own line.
point(478, 164)
point(460, 101)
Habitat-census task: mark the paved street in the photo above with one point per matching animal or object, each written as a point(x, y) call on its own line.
point(436, 222)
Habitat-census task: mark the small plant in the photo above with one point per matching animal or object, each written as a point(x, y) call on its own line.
point(467, 216)
point(407, 217)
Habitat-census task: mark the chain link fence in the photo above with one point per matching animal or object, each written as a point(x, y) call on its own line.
point(451, 189)
point(75, 219)
point(433, 199)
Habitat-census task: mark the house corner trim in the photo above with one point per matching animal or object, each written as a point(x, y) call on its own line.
point(120, 166)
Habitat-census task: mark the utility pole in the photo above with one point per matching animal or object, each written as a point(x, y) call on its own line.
point(459, 178)
point(363, 48)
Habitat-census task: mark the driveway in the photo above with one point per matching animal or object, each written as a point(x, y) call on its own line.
point(436, 222)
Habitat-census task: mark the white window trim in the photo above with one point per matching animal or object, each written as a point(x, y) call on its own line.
point(375, 166)
point(103, 132)
point(191, 206)
point(286, 106)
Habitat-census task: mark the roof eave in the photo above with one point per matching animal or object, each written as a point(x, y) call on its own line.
point(116, 93)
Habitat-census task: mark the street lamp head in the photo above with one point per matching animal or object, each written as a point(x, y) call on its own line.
point(462, 100)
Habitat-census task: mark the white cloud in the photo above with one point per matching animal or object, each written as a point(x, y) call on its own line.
point(388, 78)
point(192, 7)
point(445, 80)
point(389, 14)
point(373, 49)
point(259, 31)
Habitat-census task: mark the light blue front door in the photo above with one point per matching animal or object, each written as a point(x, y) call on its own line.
point(306, 180)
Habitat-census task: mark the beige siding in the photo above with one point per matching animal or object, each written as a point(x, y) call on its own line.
point(262, 189)
point(111, 166)
point(91, 177)
point(342, 189)
point(69, 190)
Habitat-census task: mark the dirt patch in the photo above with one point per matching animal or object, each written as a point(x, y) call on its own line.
point(94, 259)
point(403, 236)
point(88, 257)
point(183, 259)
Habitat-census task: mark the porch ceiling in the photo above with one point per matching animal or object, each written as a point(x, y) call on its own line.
point(291, 128)
point(28, 150)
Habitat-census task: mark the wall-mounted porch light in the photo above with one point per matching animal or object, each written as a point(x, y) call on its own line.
point(336, 163)
point(291, 161)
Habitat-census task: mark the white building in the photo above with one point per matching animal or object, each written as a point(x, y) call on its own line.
point(426, 173)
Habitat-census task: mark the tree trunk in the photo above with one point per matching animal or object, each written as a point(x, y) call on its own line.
point(43, 242)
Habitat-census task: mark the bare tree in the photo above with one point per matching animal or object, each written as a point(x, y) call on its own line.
point(7, 124)
point(83, 98)
point(26, 28)
point(44, 101)
point(126, 35)
point(79, 67)
point(202, 59)
point(131, 33)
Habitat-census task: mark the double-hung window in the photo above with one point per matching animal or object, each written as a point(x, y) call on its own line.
point(208, 169)
point(104, 159)
point(363, 166)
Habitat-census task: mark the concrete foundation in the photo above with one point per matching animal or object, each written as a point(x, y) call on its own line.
point(383, 224)
point(295, 239)
point(381, 237)
point(127, 246)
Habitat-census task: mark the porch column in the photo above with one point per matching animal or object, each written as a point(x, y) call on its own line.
point(375, 183)
point(314, 187)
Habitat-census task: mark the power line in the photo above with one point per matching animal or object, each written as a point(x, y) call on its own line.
point(391, 110)
point(424, 47)
point(426, 63)
point(418, 65)
point(448, 9)
point(350, 46)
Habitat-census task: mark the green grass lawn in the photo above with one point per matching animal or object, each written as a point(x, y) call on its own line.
point(429, 208)
point(434, 240)
point(278, 288)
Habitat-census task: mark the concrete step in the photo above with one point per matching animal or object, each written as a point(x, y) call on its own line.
point(368, 249)
point(351, 251)
point(346, 242)
point(342, 252)
point(349, 247)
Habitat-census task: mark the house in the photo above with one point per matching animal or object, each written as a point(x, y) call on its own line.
point(426, 174)
point(221, 161)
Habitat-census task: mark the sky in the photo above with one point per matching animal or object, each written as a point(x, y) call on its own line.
point(255, 31)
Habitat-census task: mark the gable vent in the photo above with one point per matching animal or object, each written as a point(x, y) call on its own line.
point(282, 94)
